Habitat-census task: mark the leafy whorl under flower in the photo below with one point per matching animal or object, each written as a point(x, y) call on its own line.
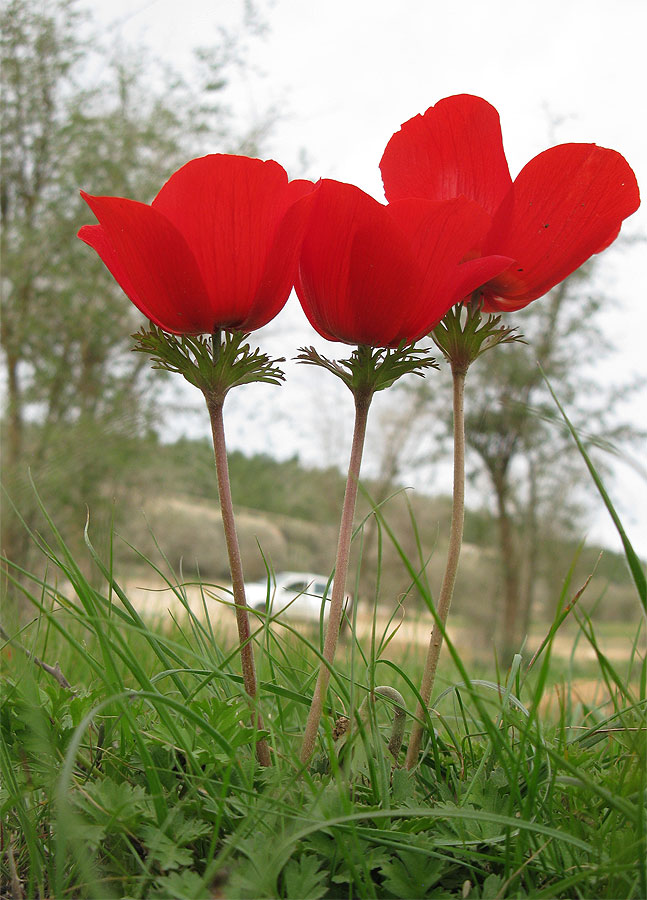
point(213, 364)
point(368, 370)
point(463, 335)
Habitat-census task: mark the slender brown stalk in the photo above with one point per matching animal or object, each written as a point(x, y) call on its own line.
point(451, 567)
point(362, 403)
point(54, 671)
point(236, 567)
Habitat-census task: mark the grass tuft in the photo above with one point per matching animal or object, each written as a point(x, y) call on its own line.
point(134, 774)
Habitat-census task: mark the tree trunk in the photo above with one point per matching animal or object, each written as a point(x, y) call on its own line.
point(13, 536)
point(510, 565)
point(530, 555)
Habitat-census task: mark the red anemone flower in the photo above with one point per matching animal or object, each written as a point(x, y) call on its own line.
point(565, 205)
point(380, 275)
point(217, 248)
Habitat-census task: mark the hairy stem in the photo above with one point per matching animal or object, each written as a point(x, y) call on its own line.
point(362, 404)
point(451, 567)
point(214, 406)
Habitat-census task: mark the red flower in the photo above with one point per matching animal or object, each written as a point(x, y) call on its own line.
point(565, 205)
point(379, 275)
point(217, 248)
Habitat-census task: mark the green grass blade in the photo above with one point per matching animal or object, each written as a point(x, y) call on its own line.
point(633, 561)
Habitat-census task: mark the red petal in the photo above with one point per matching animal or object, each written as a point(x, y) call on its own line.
point(357, 275)
point(151, 262)
point(441, 235)
point(565, 205)
point(94, 236)
point(229, 209)
point(454, 149)
point(281, 267)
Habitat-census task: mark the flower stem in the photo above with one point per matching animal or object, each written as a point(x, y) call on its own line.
point(451, 567)
point(362, 404)
point(214, 405)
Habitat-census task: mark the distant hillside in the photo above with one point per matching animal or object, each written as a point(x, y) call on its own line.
point(288, 516)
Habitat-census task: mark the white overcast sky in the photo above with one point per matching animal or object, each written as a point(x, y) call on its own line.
point(346, 73)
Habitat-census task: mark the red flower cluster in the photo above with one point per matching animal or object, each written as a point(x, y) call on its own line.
point(227, 237)
point(565, 205)
point(217, 248)
point(381, 275)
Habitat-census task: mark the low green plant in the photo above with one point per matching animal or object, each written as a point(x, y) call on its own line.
point(128, 761)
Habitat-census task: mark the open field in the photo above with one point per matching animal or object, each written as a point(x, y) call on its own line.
point(155, 600)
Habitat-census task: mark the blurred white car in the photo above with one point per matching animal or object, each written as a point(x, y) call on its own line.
point(297, 594)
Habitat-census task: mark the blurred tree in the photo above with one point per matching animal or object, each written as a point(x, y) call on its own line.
point(536, 478)
point(521, 457)
point(75, 396)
